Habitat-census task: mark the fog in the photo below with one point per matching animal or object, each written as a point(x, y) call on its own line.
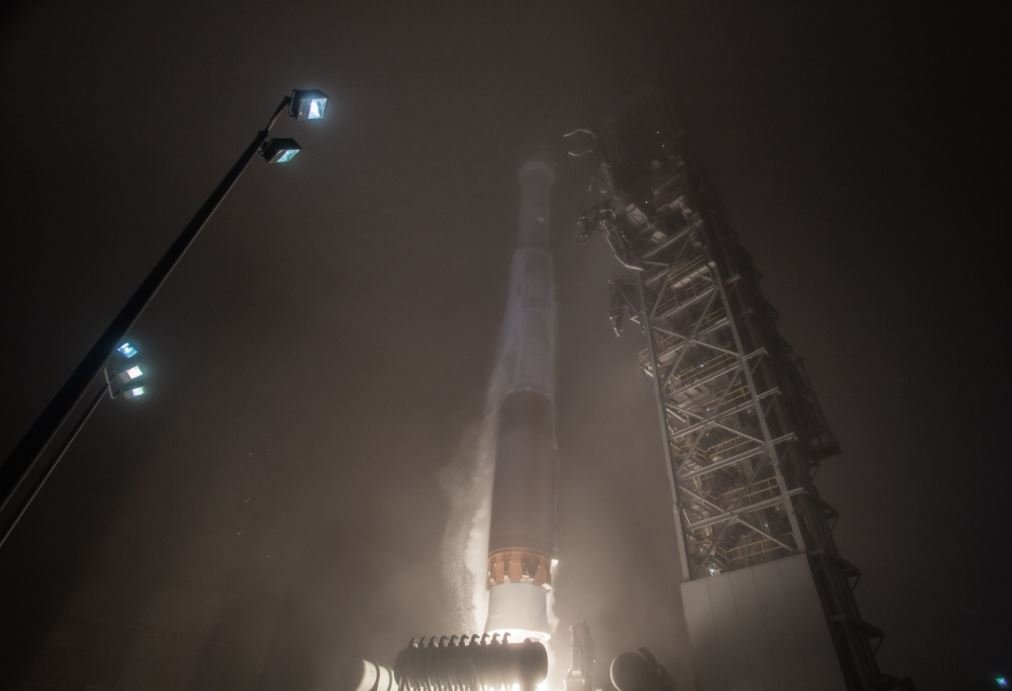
point(316, 437)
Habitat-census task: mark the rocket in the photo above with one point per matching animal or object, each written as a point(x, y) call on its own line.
point(522, 526)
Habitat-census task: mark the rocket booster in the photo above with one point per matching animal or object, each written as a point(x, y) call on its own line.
point(522, 528)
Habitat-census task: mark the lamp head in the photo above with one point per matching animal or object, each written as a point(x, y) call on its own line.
point(280, 150)
point(127, 349)
point(308, 104)
point(135, 392)
point(125, 372)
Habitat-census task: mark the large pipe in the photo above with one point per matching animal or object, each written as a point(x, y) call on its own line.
point(471, 664)
point(451, 663)
point(522, 529)
point(356, 674)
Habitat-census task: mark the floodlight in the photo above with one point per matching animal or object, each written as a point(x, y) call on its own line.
point(125, 372)
point(111, 355)
point(1001, 682)
point(127, 349)
point(124, 377)
point(308, 104)
point(280, 150)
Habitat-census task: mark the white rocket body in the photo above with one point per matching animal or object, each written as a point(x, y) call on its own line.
point(522, 528)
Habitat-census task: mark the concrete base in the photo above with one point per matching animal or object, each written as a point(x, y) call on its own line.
point(761, 629)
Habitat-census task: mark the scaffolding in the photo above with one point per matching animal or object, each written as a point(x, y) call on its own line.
point(743, 433)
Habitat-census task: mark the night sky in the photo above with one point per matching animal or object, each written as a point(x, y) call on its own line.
point(321, 355)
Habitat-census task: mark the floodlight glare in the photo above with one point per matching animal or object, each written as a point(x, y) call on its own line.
point(308, 104)
point(280, 150)
point(134, 372)
point(135, 392)
point(127, 350)
point(1001, 682)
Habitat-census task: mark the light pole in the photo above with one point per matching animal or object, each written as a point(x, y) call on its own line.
point(27, 467)
point(124, 378)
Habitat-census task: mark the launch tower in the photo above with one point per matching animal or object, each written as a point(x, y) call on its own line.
point(768, 598)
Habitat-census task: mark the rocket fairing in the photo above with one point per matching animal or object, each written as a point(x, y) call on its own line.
point(522, 527)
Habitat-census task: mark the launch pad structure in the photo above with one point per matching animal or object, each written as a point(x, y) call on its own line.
point(769, 600)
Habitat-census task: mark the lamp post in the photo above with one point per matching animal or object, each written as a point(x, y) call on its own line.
point(26, 468)
point(125, 375)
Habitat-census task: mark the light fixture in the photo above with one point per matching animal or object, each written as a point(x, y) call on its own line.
point(308, 104)
point(127, 349)
point(280, 150)
point(125, 372)
point(108, 356)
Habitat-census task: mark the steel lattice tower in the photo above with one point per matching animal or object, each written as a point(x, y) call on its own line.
point(743, 433)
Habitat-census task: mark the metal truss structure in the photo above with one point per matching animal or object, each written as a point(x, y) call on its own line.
point(743, 433)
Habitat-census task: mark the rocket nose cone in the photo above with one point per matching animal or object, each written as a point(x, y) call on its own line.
point(537, 166)
point(538, 152)
point(540, 144)
point(539, 148)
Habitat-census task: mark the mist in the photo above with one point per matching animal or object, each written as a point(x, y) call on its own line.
point(308, 479)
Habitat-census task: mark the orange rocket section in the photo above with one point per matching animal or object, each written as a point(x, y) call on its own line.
point(519, 565)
